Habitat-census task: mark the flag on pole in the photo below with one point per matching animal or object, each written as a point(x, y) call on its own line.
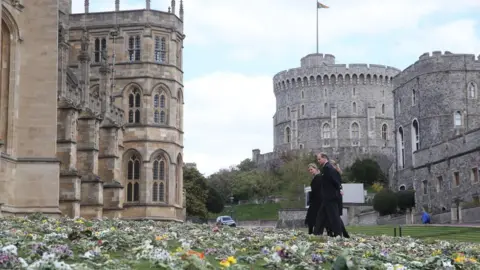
point(320, 5)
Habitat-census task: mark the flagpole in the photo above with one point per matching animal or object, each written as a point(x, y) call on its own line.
point(316, 7)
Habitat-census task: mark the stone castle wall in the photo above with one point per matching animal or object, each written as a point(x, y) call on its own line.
point(437, 127)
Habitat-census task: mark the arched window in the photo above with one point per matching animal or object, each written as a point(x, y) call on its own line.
point(133, 179)
point(178, 180)
point(415, 136)
point(303, 109)
point(287, 135)
point(160, 108)
point(400, 148)
point(414, 97)
point(326, 134)
point(4, 84)
point(159, 172)
point(383, 108)
point(472, 90)
point(354, 92)
point(288, 112)
point(325, 108)
point(303, 94)
point(300, 146)
point(354, 107)
point(384, 132)
point(457, 117)
point(355, 133)
point(179, 109)
point(134, 106)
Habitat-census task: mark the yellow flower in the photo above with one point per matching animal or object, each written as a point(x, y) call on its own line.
point(243, 250)
point(30, 235)
point(58, 229)
point(398, 266)
point(79, 221)
point(232, 260)
point(44, 221)
point(294, 238)
point(460, 259)
point(179, 249)
point(437, 252)
point(320, 251)
point(472, 260)
point(225, 263)
point(277, 248)
point(112, 229)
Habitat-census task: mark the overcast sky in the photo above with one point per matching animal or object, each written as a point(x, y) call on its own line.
point(234, 47)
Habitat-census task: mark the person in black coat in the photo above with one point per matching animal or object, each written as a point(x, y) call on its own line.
point(314, 199)
point(340, 201)
point(328, 213)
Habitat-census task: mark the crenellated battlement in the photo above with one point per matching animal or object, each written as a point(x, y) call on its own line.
point(438, 62)
point(124, 18)
point(319, 69)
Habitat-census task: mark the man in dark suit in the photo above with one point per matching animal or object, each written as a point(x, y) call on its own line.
point(330, 188)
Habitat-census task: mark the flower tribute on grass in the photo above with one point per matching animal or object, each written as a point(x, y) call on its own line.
point(41, 243)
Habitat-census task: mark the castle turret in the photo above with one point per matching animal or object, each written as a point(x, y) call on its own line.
point(87, 5)
point(181, 10)
point(147, 4)
point(117, 5)
point(173, 6)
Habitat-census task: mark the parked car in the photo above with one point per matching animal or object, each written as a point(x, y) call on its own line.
point(226, 220)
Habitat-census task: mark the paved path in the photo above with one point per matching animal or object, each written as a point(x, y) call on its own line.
point(469, 225)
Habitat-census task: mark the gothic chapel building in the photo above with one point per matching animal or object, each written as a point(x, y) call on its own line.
point(91, 111)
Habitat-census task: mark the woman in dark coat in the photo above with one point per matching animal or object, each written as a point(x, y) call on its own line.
point(314, 199)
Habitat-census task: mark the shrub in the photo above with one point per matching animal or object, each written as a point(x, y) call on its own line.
point(406, 199)
point(385, 202)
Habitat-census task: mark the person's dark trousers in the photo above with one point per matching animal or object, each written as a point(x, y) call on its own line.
point(328, 215)
point(310, 229)
point(344, 230)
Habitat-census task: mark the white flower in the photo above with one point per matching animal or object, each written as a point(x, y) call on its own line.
point(10, 249)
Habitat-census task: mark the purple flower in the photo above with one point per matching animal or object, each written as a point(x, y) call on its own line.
point(317, 258)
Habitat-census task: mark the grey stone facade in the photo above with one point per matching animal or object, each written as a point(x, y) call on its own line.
point(344, 110)
point(437, 127)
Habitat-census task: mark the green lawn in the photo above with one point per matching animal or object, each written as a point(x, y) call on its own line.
point(464, 234)
point(267, 211)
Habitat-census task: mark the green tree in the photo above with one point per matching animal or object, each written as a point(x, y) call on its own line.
point(196, 190)
point(215, 201)
point(267, 185)
point(246, 165)
point(245, 185)
point(294, 176)
point(385, 202)
point(366, 171)
point(406, 199)
point(223, 182)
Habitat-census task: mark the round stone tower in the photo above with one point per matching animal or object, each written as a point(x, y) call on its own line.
point(344, 110)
